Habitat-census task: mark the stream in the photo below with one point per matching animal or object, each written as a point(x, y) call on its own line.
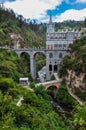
point(59, 107)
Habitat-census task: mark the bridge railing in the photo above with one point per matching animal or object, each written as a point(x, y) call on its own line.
point(34, 49)
point(48, 82)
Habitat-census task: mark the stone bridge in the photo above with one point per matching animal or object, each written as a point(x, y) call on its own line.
point(54, 84)
point(32, 53)
point(48, 84)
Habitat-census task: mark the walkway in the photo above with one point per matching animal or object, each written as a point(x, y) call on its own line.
point(74, 96)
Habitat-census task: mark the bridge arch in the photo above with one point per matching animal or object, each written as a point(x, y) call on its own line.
point(52, 89)
point(52, 85)
point(36, 52)
point(32, 54)
point(40, 61)
point(23, 53)
point(26, 59)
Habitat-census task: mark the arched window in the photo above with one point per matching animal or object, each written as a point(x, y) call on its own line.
point(50, 55)
point(50, 67)
point(55, 68)
point(60, 55)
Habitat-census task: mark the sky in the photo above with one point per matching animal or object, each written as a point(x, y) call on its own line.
point(40, 10)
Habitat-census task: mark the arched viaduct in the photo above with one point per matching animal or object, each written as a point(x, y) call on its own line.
point(46, 52)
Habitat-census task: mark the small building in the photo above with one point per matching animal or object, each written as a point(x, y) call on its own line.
point(24, 81)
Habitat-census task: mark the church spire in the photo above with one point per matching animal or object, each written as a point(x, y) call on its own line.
point(50, 19)
point(50, 26)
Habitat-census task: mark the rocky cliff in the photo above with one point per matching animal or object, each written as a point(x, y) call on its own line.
point(76, 81)
point(73, 68)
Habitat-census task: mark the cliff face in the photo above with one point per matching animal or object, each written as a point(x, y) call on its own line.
point(73, 68)
point(76, 81)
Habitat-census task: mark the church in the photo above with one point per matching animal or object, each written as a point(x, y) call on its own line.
point(57, 45)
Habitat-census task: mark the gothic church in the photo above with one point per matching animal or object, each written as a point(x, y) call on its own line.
point(57, 45)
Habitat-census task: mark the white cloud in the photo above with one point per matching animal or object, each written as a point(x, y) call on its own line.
point(80, 1)
point(32, 8)
point(72, 15)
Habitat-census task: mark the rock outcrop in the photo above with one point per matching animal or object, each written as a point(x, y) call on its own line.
point(17, 40)
point(76, 81)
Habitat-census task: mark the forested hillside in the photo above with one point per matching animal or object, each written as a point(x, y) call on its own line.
point(15, 32)
point(12, 66)
point(34, 113)
point(76, 25)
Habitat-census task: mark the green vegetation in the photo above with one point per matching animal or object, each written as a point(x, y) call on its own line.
point(14, 28)
point(77, 113)
point(15, 67)
point(70, 25)
point(35, 112)
point(52, 77)
point(12, 66)
point(80, 118)
point(64, 97)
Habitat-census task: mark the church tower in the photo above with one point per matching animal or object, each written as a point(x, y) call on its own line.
point(50, 26)
point(50, 31)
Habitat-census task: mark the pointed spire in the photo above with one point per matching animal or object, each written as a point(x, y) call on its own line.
point(50, 19)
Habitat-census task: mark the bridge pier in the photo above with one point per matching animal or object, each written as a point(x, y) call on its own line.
point(33, 66)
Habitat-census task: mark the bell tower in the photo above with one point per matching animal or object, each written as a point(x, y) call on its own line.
point(50, 26)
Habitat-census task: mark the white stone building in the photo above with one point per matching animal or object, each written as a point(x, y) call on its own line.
point(57, 44)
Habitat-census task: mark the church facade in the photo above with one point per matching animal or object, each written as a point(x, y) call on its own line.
point(57, 45)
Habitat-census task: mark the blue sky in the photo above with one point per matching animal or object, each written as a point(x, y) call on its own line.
point(66, 6)
point(41, 9)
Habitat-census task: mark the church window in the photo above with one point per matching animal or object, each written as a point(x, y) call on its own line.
point(60, 55)
point(50, 67)
point(55, 68)
point(50, 55)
